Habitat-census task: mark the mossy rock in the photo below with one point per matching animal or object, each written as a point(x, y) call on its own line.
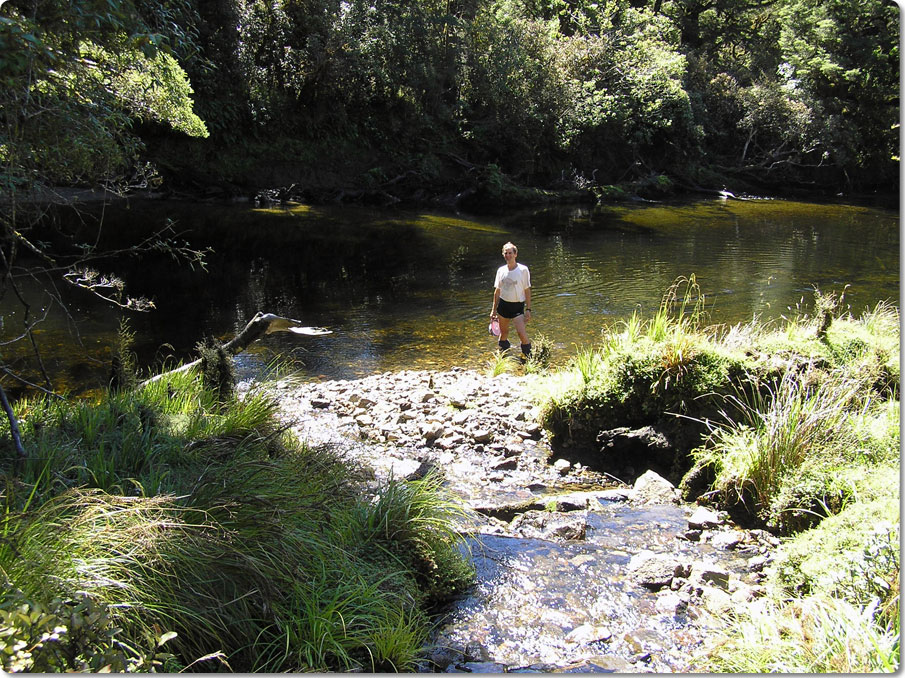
point(814, 560)
point(641, 390)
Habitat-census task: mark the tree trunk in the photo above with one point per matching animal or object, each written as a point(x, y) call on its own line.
point(13, 425)
point(257, 327)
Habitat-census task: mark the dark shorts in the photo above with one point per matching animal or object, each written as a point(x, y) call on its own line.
point(510, 309)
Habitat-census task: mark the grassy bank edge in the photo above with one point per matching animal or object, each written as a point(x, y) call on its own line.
point(795, 429)
point(166, 528)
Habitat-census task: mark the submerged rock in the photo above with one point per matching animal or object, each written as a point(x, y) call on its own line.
point(549, 525)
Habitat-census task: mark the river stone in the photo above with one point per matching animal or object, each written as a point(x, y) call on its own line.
point(448, 442)
point(726, 540)
point(482, 435)
point(704, 518)
point(588, 633)
point(601, 664)
point(531, 430)
point(615, 495)
point(479, 667)
point(458, 400)
point(409, 469)
point(562, 465)
point(652, 488)
point(364, 401)
point(475, 652)
point(460, 418)
point(505, 464)
point(655, 570)
point(758, 563)
point(423, 396)
point(574, 501)
point(708, 574)
point(550, 526)
point(670, 602)
point(432, 430)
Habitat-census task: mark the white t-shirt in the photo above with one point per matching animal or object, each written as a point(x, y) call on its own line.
point(512, 284)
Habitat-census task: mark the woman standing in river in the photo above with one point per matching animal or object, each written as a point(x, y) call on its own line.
point(512, 299)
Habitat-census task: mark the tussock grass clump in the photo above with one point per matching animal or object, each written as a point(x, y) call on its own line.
point(501, 362)
point(195, 533)
point(774, 451)
point(541, 352)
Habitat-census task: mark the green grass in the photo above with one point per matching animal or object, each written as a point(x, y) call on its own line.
point(811, 635)
point(790, 425)
point(644, 372)
point(195, 534)
point(501, 362)
point(789, 434)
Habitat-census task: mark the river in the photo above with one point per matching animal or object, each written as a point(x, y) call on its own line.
point(412, 289)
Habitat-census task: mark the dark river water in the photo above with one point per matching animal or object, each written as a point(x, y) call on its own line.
point(413, 289)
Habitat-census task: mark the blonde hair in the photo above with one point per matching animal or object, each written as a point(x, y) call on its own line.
point(511, 246)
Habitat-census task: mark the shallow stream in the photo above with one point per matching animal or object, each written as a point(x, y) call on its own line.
point(546, 606)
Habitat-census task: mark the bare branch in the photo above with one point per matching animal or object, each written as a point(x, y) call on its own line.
point(96, 283)
point(26, 382)
point(13, 425)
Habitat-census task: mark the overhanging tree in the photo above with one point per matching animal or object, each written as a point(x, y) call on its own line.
point(74, 77)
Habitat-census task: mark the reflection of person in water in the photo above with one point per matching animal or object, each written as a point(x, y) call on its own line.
point(512, 299)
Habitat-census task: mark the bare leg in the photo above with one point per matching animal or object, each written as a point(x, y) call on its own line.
point(519, 323)
point(504, 334)
point(504, 328)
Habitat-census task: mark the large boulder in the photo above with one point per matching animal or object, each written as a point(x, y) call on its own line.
point(652, 488)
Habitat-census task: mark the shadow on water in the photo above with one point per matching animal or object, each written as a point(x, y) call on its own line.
point(404, 289)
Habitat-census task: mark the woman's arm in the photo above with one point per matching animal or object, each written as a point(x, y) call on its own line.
point(496, 300)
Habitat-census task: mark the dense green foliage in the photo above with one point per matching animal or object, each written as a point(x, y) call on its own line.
point(418, 98)
point(75, 79)
point(158, 529)
point(74, 76)
point(794, 428)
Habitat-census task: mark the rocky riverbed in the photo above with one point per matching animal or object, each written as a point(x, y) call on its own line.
point(576, 571)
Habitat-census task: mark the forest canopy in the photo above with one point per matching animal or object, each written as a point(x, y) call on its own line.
point(552, 93)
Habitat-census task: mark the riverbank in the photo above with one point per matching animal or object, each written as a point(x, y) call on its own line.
point(265, 173)
point(793, 429)
point(552, 540)
point(351, 510)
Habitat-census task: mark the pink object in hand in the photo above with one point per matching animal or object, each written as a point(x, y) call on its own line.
point(494, 328)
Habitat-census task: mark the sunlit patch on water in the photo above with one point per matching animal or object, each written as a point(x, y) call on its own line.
point(542, 603)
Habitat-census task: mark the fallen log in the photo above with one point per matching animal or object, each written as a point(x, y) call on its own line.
point(259, 326)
